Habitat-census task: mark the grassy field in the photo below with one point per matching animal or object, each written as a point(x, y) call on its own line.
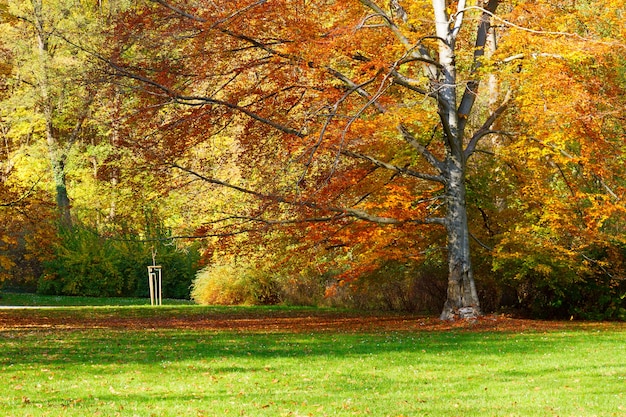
point(118, 361)
point(22, 299)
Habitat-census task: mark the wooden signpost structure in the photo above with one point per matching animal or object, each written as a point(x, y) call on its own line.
point(155, 282)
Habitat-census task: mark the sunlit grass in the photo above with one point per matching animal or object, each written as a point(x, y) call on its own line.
point(26, 299)
point(176, 372)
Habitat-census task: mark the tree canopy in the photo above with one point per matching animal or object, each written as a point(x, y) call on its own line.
point(344, 137)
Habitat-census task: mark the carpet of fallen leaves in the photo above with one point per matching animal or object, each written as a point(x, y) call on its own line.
point(282, 322)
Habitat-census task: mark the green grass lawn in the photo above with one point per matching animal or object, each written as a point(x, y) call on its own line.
point(58, 371)
point(23, 299)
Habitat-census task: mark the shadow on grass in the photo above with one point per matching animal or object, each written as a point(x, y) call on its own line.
point(106, 346)
point(424, 373)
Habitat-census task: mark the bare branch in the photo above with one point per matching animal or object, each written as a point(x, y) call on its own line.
point(570, 156)
point(533, 55)
point(436, 220)
point(385, 83)
point(595, 261)
point(260, 45)
point(357, 87)
point(388, 22)
point(490, 249)
point(238, 12)
point(406, 82)
point(203, 20)
point(276, 222)
point(320, 137)
point(542, 32)
point(185, 99)
point(427, 60)
point(418, 50)
point(199, 100)
point(513, 58)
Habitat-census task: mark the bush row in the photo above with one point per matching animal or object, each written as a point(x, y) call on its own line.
point(394, 286)
point(413, 287)
point(89, 263)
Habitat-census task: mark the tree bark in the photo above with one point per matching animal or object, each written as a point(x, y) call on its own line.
point(462, 297)
point(57, 161)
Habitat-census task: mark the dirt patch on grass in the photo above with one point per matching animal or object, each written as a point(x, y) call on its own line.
point(278, 322)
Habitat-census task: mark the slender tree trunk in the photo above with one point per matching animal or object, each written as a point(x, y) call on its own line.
point(55, 151)
point(57, 161)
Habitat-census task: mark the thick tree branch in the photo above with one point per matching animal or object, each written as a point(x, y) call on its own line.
point(471, 88)
point(261, 45)
point(359, 214)
point(490, 249)
point(542, 32)
point(418, 58)
point(394, 168)
point(80, 120)
point(179, 11)
point(358, 88)
point(276, 222)
point(408, 83)
point(430, 158)
point(570, 156)
point(458, 20)
point(199, 19)
point(418, 51)
point(388, 22)
point(485, 129)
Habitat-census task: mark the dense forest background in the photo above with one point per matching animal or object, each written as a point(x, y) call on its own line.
point(304, 152)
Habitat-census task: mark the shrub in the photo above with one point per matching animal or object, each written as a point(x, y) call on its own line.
point(84, 264)
point(231, 283)
point(398, 286)
point(394, 286)
point(307, 288)
point(89, 264)
point(27, 235)
point(179, 269)
point(549, 287)
point(215, 284)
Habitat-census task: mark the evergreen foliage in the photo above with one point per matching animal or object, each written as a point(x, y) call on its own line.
point(89, 263)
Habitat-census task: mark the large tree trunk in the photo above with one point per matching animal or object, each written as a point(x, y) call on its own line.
point(462, 298)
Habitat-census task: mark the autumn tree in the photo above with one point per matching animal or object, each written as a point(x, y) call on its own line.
point(57, 135)
point(49, 86)
point(24, 212)
point(357, 122)
point(564, 147)
point(52, 102)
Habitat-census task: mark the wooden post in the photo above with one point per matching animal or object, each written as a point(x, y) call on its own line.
point(151, 284)
point(158, 271)
point(155, 282)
